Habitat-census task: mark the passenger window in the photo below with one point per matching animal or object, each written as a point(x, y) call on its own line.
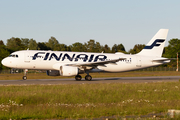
point(17, 56)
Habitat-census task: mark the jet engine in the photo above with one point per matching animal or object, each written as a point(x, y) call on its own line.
point(68, 71)
point(65, 71)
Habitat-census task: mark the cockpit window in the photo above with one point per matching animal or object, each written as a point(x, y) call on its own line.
point(13, 55)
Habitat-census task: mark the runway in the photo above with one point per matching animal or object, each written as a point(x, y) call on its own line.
point(94, 81)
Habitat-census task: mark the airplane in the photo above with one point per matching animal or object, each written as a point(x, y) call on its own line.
point(64, 63)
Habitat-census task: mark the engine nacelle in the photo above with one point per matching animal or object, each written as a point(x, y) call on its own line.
point(68, 71)
point(65, 71)
point(53, 72)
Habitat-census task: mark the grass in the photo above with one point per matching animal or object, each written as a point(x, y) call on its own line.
point(18, 76)
point(87, 100)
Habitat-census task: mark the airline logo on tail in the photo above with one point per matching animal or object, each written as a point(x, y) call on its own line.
point(155, 43)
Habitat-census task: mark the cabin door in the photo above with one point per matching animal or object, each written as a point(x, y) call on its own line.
point(27, 57)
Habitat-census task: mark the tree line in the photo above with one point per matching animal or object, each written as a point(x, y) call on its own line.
point(15, 44)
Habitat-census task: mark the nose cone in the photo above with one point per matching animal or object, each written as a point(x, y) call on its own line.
point(5, 62)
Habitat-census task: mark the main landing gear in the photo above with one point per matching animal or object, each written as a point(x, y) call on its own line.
point(87, 77)
point(78, 77)
point(25, 74)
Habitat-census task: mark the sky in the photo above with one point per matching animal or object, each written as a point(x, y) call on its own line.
point(110, 22)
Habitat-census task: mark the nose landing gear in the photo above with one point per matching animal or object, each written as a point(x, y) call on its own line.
point(25, 74)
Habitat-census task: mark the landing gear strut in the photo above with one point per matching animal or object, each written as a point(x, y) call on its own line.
point(78, 77)
point(25, 74)
point(88, 77)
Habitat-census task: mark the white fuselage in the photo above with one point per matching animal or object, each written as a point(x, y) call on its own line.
point(51, 60)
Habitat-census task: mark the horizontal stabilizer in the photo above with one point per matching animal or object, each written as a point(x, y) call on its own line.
point(161, 60)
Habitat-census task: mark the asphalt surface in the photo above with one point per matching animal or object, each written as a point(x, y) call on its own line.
point(94, 80)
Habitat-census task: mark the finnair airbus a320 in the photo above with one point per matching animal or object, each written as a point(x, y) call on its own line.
point(75, 63)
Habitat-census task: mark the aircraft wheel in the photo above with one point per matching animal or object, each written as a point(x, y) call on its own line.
point(24, 77)
point(88, 77)
point(78, 77)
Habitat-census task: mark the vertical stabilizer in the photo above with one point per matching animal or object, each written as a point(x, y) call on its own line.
point(156, 44)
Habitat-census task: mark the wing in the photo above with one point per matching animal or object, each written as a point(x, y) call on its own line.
point(95, 64)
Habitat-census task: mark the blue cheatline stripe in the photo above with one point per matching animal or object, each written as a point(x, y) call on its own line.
point(155, 44)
